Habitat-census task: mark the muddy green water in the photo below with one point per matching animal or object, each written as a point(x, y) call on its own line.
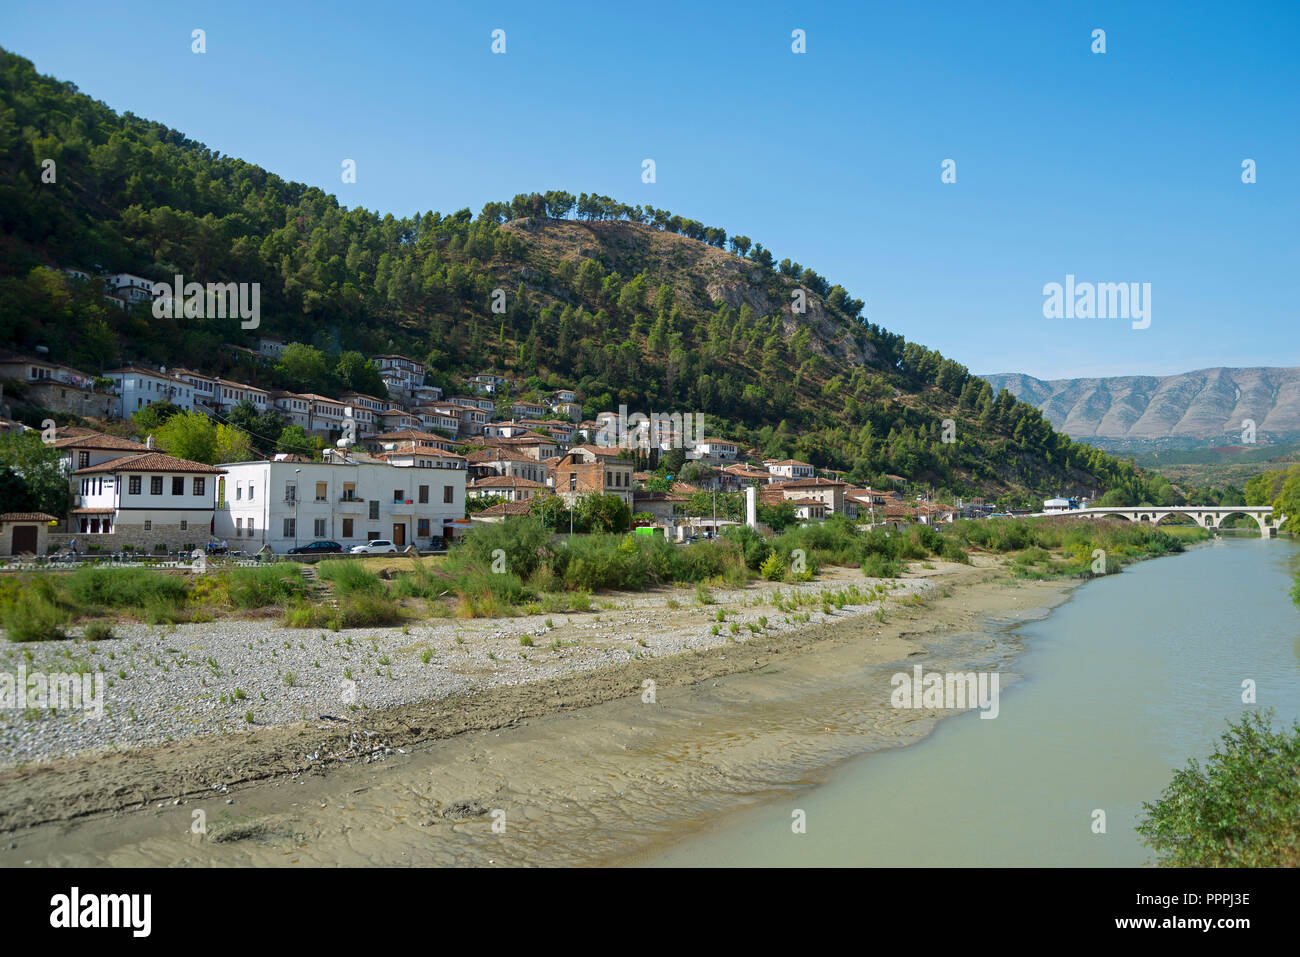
point(1121, 684)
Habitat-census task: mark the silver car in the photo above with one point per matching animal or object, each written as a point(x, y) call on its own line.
point(379, 546)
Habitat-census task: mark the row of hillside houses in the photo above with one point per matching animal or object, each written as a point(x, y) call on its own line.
point(129, 496)
point(407, 489)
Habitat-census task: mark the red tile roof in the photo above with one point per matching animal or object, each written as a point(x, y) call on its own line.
point(27, 517)
point(95, 440)
point(504, 481)
point(420, 450)
point(150, 462)
point(816, 482)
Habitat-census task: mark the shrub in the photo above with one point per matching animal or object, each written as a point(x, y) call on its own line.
point(604, 561)
point(126, 588)
point(305, 614)
point(482, 593)
point(97, 631)
point(524, 540)
point(753, 547)
point(268, 585)
point(950, 551)
point(1241, 810)
point(878, 566)
point(35, 615)
point(362, 610)
point(773, 568)
point(349, 577)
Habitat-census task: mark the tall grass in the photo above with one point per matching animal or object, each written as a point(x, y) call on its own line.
point(263, 586)
point(138, 588)
point(32, 611)
point(350, 577)
point(1082, 544)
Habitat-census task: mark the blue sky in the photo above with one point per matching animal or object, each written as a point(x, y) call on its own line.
point(1123, 166)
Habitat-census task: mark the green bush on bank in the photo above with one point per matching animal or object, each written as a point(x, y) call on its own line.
point(1242, 809)
point(32, 610)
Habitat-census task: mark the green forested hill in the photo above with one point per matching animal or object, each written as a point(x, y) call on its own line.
point(626, 304)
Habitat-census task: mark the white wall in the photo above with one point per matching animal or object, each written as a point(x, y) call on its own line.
point(373, 482)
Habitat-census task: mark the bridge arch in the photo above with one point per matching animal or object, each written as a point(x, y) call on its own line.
point(1260, 519)
point(1207, 516)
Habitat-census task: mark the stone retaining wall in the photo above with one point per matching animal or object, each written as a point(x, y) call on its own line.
point(141, 541)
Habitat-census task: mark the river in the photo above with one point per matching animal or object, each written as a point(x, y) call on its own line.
point(1117, 687)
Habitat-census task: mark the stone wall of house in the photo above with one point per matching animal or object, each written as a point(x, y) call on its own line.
point(59, 395)
point(141, 541)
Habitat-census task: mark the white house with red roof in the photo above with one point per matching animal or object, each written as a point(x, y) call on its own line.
point(145, 500)
point(789, 469)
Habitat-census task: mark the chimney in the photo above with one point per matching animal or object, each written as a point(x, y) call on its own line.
point(148, 442)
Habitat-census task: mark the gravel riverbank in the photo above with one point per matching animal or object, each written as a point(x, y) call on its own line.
point(165, 683)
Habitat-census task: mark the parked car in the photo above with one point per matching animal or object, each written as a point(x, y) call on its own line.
point(379, 546)
point(317, 548)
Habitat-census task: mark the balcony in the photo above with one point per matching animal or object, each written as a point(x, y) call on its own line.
point(351, 498)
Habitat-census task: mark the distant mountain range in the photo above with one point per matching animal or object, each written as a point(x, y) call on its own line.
point(1195, 409)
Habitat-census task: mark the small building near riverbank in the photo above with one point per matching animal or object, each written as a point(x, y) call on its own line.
point(24, 533)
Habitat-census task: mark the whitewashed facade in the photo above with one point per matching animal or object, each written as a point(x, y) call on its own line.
point(286, 504)
point(137, 388)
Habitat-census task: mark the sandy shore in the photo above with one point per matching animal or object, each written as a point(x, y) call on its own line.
point(580, 764)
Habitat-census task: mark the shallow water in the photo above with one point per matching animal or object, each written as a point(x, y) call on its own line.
point(1122, 684)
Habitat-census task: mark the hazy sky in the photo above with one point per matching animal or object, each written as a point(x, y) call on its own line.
point(1122, 166)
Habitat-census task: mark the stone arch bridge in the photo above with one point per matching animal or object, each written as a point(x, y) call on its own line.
point(1207, 516)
